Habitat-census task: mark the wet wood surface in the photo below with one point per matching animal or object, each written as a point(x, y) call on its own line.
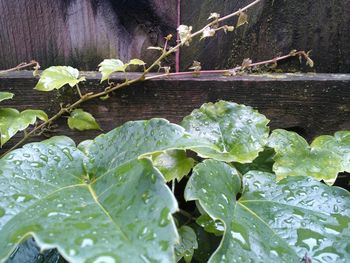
point(311, 104)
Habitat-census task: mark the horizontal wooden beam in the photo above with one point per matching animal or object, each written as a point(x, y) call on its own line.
point(311, 104)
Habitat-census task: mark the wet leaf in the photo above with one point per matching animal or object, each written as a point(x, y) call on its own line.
point(188, 244)
point(108, 66)
point(242, 19)
point(82, 121)
point(276, 222)
point(173, 164)
point(294, 157)
point(13, 121)
point(339, 144)
point(215, 227)
point(105, 197)
point(264, 162)
point(56, 77)
point(234, 132)
point(6, 95)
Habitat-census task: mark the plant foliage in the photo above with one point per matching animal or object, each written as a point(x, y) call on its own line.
point(106, 200)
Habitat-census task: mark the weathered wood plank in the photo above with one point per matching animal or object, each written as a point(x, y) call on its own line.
point(311, 104)
point(275, 27)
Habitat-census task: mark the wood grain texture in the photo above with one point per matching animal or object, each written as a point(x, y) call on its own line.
point(311, 104)
point(275, 27)
point(81, 33)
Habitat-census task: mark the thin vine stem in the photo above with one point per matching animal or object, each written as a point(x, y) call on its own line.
point(21, 66)
point(85, 97)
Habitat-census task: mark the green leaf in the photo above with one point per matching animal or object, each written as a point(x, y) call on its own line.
point(136, 62)
point(13, 121)
point(294, 157)
point(234, 133)
point(188, 244)
point(173, 164)
point(49, 193)
point(215, 227)
point(273, 222)
point(339, 144)
point(242, 19)
point(264, 162)
point(82, 121)
point(56, 77)
point(6, 95)
point(103, 203)
point(108, 66)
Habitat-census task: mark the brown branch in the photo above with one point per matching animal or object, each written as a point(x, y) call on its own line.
point(23, 65)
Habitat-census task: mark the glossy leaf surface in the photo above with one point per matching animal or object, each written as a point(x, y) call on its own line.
point(339, 143)
point(294, 157)
point(273, 222)
point(5, 95)
point(108, 66)
point(234, 132)
point(81, 120)
point(56, 77)
point(13, 121)
point(173, 164)
point(188, 244)
point(115, 207)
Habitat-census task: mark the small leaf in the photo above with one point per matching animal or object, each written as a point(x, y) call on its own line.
point(214, 16)
point(339, 144)
point(137, 62)
point(242, 19)
point(294, 157)
point(215, 227)
point(6, 95)
point(276, 222)
point(108, 66)
point(82, 121)
point(56, 77)
point(13, 121)
point(173, 164)
point(106, 97)
point(188, 244)
point(208, 32)
point(235, 133)
point(185, 34)
point(263, 163)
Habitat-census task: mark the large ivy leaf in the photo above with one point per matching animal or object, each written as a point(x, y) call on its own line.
point(13, 121)
point(108, 66)
point(273, 222)
point(102, 204)
point(56, 77)
point(82, 121)
point(339, 143)
point(188, 244)
point(5, 95)
point(173, 164)
point(234, 132)
point(295, 157)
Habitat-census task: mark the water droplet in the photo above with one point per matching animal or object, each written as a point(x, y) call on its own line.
point(164, 217)
point(44, 157)
point(104, 259)
point(36, 164)
point(72, 252)
point(87, 242)
point(18, 162)
point(66, 151)
point(146, 197)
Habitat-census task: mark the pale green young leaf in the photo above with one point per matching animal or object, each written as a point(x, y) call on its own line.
point(56, 77)
point(173, 164)
point(233, 132)
point(136, 62)
point(185, 34)
point(81, 120)
point(242, 19)
point(339, 144)
point(13, 121)
point(187, 245)
point(108, 66)
point(276, 222)
point(5, 95)
point(294, 157)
